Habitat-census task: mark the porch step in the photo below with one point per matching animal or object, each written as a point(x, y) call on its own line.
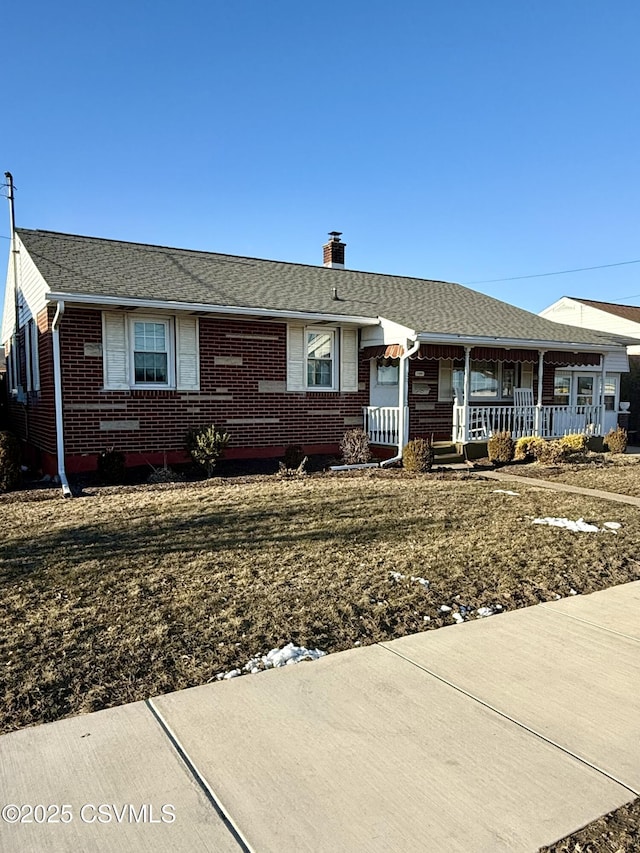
point(448, 458)
point(447, 453)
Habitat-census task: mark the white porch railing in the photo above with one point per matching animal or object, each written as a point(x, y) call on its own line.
point(381, 423)
point(543, 421)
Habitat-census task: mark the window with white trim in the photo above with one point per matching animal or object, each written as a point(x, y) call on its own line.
point(320, 353)
point(31, 356)
point(322, 358)
point(150, 352)
point(488, 380)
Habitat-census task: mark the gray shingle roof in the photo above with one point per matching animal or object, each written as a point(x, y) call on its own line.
point(99, 267)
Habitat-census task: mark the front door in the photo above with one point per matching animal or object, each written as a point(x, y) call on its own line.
point(583, 389)
point(384, 382)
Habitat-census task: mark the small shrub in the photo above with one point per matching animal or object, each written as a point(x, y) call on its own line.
point(293, 456)
point(501, 447)
point(524, 448)
point(165, 475)
point(291, 473)
point(548, 452)
point(111, 466)
point(355, 447)
point(206, 445)
point(574, 445)
point(616, 440)
point(10, 455)
point(417, 456)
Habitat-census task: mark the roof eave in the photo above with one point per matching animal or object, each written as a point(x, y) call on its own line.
point(205, 308)
point(516, 343)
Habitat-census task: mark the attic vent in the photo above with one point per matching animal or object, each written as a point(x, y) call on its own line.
point(333, 251)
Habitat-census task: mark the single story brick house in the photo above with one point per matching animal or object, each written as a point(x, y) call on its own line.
point(111, 343)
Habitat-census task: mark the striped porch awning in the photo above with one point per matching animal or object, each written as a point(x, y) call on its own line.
point(435, 352)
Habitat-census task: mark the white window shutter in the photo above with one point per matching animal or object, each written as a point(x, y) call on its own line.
point(115, 351)
point(35, 357)
point(349, 360)
point(445, 380)
point(27, 352)
point(295, 358)
point(187, 354)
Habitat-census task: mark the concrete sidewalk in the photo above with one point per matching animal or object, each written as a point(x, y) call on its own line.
point(500, 734)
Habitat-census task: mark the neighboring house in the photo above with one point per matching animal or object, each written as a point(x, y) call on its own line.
point(608, 317)
point(130, 345)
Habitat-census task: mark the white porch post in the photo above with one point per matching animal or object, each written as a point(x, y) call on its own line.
point(467, 392)
point(603, 376)
point(538, 418)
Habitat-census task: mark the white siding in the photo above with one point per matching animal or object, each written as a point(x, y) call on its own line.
point(616, 362)
point(116, 350)
point(187, 354)
point(32, 289)
point(575, 313)
point(295, 358)
point(349, 360)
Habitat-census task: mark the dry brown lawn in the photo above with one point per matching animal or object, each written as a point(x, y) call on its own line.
point(125, 593)
point(129, 592)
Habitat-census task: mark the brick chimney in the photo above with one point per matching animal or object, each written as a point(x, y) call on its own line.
point(333, 251)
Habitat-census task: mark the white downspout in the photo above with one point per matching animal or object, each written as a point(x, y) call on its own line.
point(57, 388)
point(403, 398)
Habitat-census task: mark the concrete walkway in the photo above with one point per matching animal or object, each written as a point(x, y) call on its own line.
point(501, 734)
point(558, 487)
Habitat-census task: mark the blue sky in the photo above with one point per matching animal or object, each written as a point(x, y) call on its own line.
point(463, 141)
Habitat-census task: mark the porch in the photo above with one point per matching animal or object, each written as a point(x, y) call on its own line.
point(481, 422)
point(382, 423)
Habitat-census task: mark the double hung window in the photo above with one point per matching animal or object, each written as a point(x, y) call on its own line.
point(150, 352)
point(320, 354)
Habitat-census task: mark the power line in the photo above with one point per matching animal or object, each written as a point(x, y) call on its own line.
point(558, 272)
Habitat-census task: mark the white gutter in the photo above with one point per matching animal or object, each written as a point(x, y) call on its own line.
point(403, 386)
point(57, 387)
point(205, 308)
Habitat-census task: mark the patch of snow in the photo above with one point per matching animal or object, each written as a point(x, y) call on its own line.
point(426, 618)
point(612, 526)
point(444, 608)
point(398, 576)
point(579, 526)
point(572, 592)
point(285, 656)
point(505, 492)
point(458, 617)
point(233, 674)
point(483, 612)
